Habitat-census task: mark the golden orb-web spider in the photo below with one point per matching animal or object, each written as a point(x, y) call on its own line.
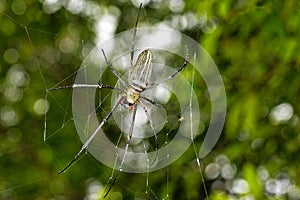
point(138, 81)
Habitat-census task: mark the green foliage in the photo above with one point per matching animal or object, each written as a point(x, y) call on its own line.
point(255, 45)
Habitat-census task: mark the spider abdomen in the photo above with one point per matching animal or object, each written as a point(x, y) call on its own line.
point(139, 77)
point(141, 72)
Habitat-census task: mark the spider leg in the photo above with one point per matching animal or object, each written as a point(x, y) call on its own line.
point(185, 63)
point(152, 102)
point(133, 42)
point(112, 69)
point(153, 129)
point(86, 144)
point(125, 152)
point(99, 85)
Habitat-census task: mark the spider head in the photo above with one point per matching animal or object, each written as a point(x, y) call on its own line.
point(131, 97)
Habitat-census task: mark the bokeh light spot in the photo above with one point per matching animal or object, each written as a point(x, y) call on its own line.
point(13, 93)
point(239, 186)
point(66, 45)
point(17, 76)
point(212, 171)
point(18, 7)
point(41, 106)
point(11, 56)
point(7, 27)
point(9, 116)
point(228, 171)
point(162, 94)
point(281, 113)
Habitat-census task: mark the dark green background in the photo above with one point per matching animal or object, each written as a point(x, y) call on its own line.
point(255, 44)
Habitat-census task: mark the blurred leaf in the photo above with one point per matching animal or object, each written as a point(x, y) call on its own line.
point(250, 175)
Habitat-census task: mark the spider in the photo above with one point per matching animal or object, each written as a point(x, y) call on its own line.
point(138, 81)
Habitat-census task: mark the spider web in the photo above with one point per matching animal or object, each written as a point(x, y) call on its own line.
point(37, 156)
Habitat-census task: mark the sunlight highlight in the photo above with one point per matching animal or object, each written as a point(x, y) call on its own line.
point(281, 113)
